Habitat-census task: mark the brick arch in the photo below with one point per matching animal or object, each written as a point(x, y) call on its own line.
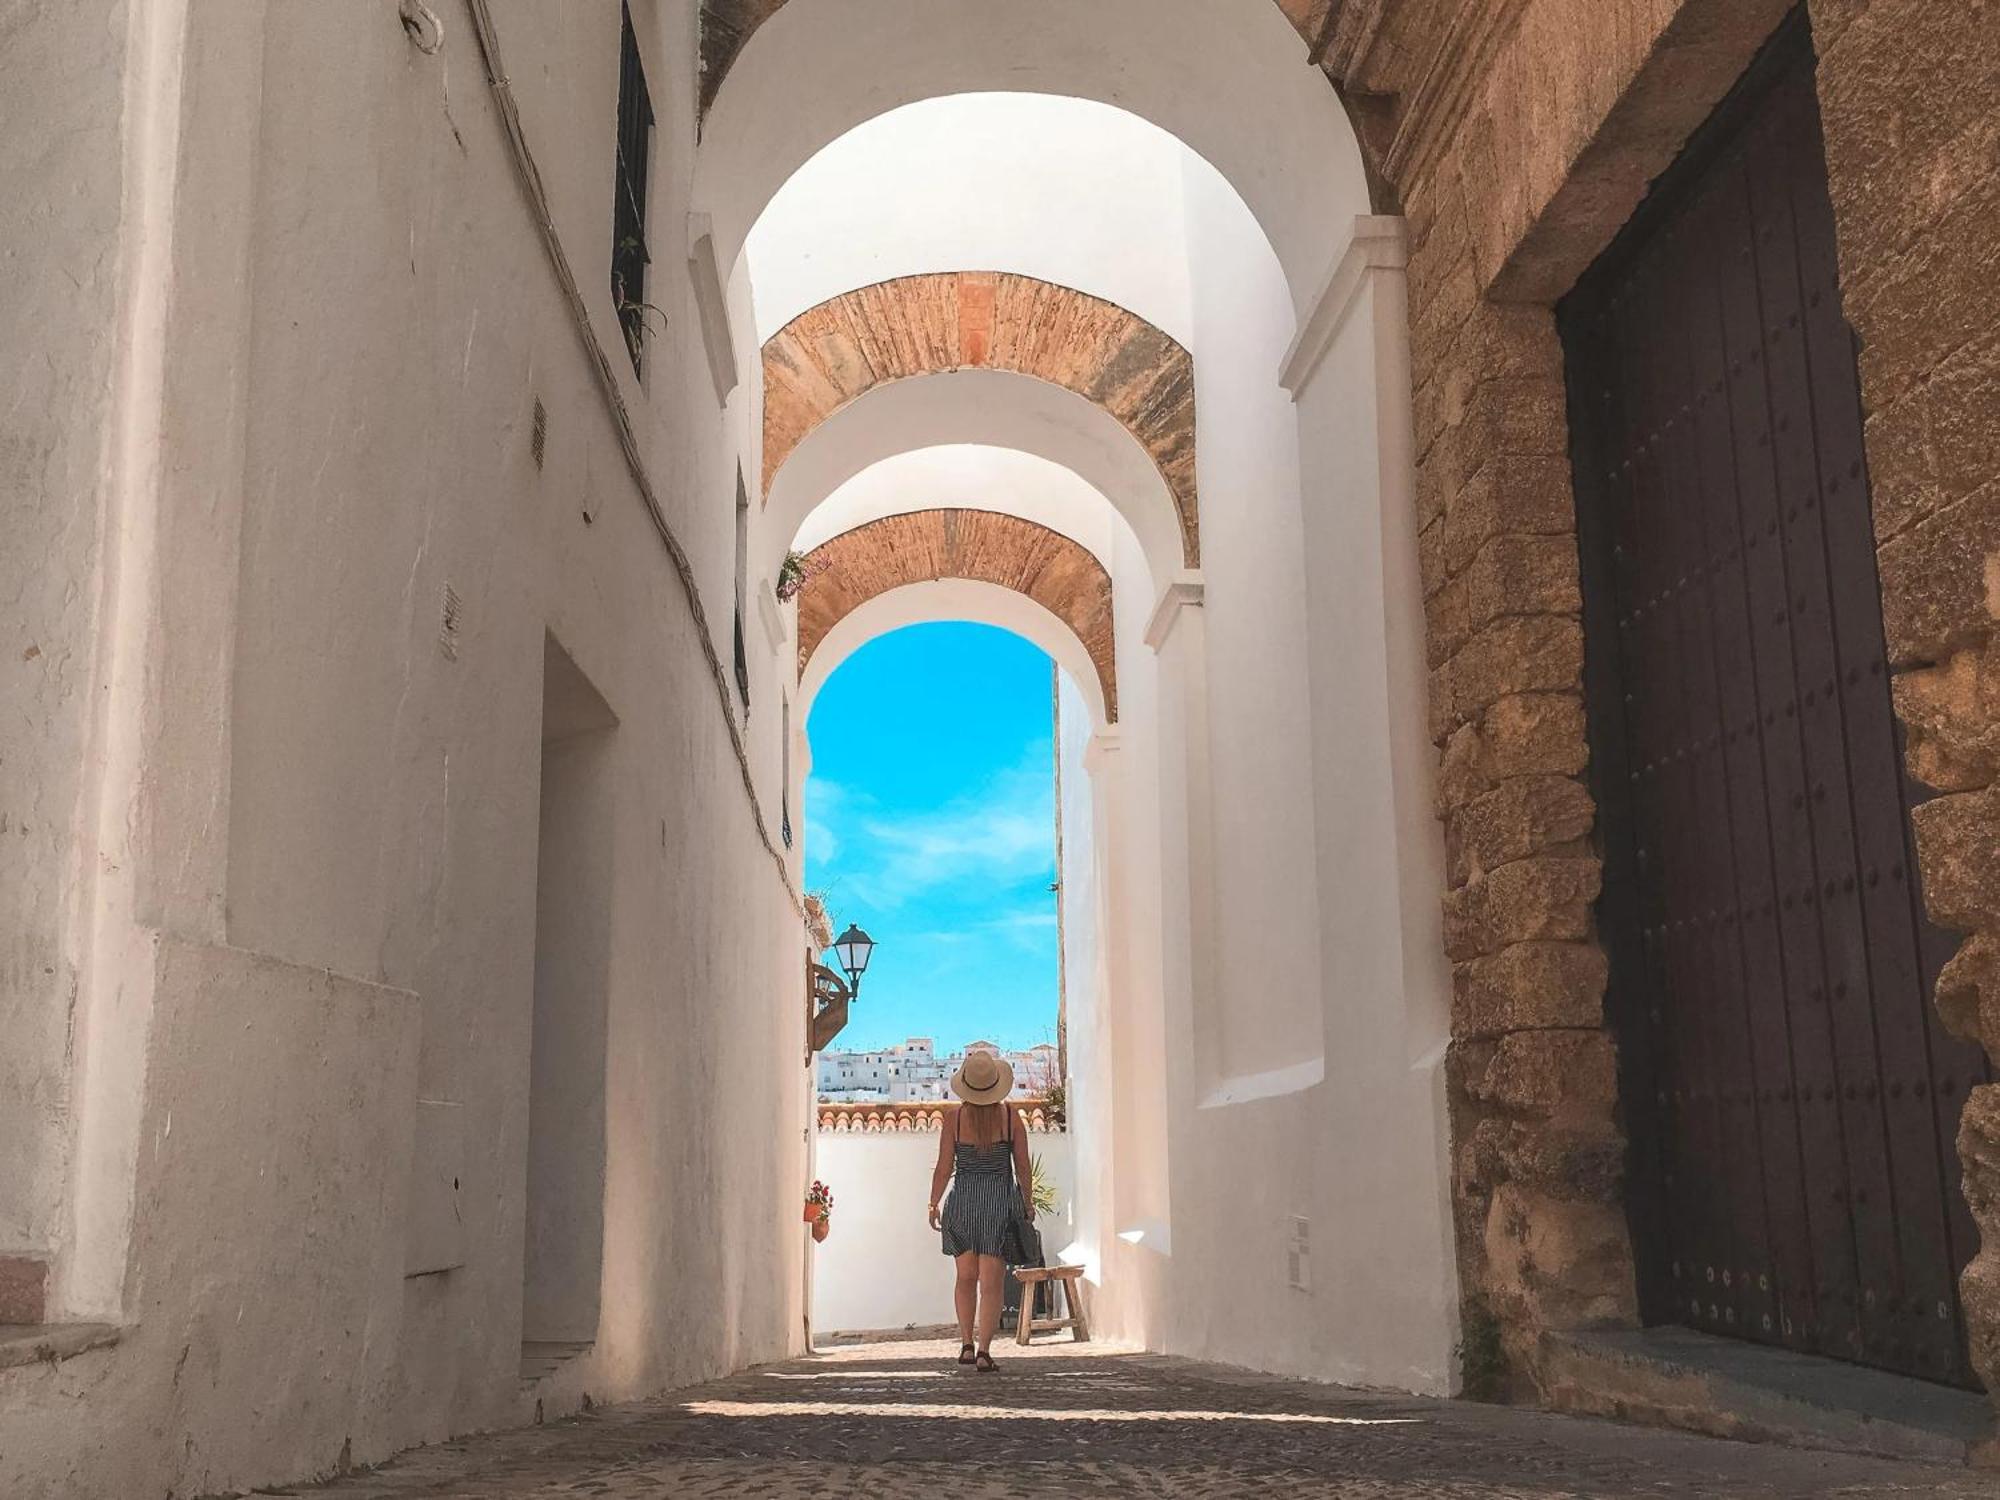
point(832, 354)
point(984, 546)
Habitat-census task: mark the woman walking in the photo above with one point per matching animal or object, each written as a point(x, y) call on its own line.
point(983, 1153)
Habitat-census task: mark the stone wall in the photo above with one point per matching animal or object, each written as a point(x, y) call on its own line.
point(1910, 105)
point(1520, 136)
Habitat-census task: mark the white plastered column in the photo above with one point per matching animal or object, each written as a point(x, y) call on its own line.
point(1170, 1052)
point(1379, 852)
point(156, 818)
point(1094, 1092)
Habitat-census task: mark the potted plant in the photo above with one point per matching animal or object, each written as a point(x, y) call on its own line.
point(793, 574)
point(1041, 1191)
point(819, 1210)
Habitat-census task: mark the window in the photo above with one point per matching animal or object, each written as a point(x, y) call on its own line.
point(629, 256)
point(742, 586)
point(785, 771)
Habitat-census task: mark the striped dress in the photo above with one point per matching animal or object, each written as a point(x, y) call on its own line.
point(981, 1203)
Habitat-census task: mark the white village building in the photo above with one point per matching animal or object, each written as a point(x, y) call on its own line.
point(912, 1073)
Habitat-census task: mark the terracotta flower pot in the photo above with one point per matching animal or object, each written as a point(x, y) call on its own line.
point(812, 1212)
point(822, 1227)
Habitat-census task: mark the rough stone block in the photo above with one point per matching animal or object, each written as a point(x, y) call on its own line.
point(1438, 323)
point(1979, 1152)
point(1565, 1163)
point(1518, 415)
point(1523, 575)
point(1523, 734)
point(1931, 300)
point(1513, 341)
point(1430, 556)
point(1938, 442)
point(1526, 733)
point(1940, 580)
point(1570, 1075)
point(1906, 97)
point(1968, 993)
point(1441, 714)
point(1510, 493)
point(1438, 236)
point(1952, 712)
point(1541, 899)
point(1831, 17)
point(1529, 986)
point(1552, 1264)
point(1431, 408)
point(1448, 622)
point(1521, 816)
point(1461, 771)
point(1436, 484)
point(1979, 1287)
point(1526, 654)
point(1525, 414)
point(1958, 850)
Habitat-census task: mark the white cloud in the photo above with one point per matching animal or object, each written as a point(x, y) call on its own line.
point(997, 835)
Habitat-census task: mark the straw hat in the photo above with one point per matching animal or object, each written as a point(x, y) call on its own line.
point(983, 1079)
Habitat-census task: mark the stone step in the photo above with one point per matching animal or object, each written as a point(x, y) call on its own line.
point(1675, 1377)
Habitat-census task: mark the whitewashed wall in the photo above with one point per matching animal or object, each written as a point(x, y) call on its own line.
point(285, 1147)
point(882, 1266)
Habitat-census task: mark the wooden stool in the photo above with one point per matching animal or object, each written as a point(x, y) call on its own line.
point(1071, 1277)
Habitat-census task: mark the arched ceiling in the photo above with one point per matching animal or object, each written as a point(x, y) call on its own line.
point(990, 408)
point(726, 25)
point(982, 546)
point(912, 326)
point(1229, 80)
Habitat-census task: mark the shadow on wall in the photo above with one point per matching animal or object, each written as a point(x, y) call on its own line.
point(563, 1266)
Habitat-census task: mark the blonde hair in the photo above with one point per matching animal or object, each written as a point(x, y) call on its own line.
point(983, 1124)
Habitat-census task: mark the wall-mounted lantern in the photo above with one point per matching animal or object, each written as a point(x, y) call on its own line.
point(854, 948)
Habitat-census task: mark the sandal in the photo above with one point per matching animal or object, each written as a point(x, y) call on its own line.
point(984, 1363)
point(965, 1354)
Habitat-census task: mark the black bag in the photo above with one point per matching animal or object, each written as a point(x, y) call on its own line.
point(1023, 1247)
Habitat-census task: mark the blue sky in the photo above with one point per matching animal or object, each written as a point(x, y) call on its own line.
point(930, 820)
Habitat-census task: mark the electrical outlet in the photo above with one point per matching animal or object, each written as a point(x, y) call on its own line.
point(1298, 1256)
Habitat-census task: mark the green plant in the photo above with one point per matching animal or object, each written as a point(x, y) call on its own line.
point(1482, 1355)
point(791, 577)
point(1041, 1191)
point(1055, 1105)
point(632, 311)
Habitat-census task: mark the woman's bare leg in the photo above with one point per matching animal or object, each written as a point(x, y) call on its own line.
point(966, 1293)
point(992, 1283)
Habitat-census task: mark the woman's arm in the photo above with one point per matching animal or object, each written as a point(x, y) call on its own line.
point(1021, 1169)
point(940, 1174)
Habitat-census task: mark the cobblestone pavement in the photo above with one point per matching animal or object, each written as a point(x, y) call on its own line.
point(883, 1421)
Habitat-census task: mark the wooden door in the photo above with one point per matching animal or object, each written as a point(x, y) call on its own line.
point(1790, 1096)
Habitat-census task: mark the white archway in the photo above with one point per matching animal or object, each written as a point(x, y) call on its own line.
point(973, 476)
point(974, 181)
point(989, 408)
point(1227, 77)
point(1272, 957)
point(951, 599)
